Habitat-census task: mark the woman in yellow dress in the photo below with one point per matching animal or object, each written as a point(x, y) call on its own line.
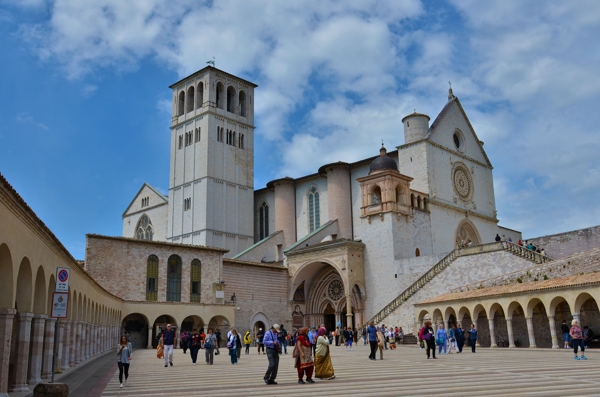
point(323, 366)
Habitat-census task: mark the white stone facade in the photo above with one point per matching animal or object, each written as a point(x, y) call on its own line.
point(435, 193)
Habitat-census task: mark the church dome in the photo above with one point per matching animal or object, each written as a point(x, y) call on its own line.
point(383, 162)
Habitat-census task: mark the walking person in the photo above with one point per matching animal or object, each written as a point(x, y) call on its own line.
point(303, 357)
point(210, 341)
point(271, 343)
point(323, 366)
point(282, 336)
point(577, 339)
point(124, 354)
point(218, 345)
point(364, 336)
point(441, 339)
point(247, 341)
point(185, 341)
point(380, 343)
point(168, 340)
point(259, 341)
point(473, 337)
point(452, 339)
point(459, 334)
point(429, 338)
point(400, 335)
point(348, 337)
point(336, 333)
point(383, 331)
point(232, 346)
point(565, 330)
point(372, 337)
point(238, 345)
point(312, 337)
point(195, 345)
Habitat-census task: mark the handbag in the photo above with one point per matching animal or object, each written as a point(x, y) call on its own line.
point(440, 341)
point(295, 352)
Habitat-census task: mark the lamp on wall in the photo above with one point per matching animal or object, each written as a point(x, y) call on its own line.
point(233, 298)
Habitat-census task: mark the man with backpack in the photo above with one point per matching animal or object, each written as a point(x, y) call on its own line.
point(168, 340)
point(281, 336)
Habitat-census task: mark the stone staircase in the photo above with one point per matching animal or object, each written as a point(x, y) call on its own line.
point(447, 261)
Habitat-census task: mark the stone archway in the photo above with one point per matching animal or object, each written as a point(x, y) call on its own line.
point(135, 327)
point(466, 232)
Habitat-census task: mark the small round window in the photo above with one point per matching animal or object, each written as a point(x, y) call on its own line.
point(459, 140)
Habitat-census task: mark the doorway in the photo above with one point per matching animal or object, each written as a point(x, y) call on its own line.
point(329, 318)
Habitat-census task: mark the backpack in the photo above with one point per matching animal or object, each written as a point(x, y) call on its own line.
point(425, 334)
point(208, 343)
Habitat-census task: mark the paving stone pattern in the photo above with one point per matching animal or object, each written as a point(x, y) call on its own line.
point(403, 372)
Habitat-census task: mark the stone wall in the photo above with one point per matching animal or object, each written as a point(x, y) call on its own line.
point(259, 288)
point(586, 262)
point(465, 269)
point(120, 266)
point(562, 245)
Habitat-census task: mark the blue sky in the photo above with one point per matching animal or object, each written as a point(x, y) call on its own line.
point(85, 104)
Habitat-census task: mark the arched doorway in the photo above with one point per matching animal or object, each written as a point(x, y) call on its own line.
point(192, 322)
point(329, 314)
point(135, 327)
point(160, 324)
point(467, 235)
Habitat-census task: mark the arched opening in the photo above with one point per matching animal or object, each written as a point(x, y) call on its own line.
point(559, 307)
point(417, 252)
point(483, 326)
point(192, 322)
point(541, 326)
point(174, 279)
point(200, 95)
point(400, 195)
point(450, 316)
point(222, 324)
point(24, 287)
point(242, 103)
point(219, 99)
point(329, 317)
point(314, 212)
point(419, 203)
point(144, 229)
point(152, 278)
point(181, 104)
point(588, 314)
point(263, 216)
point(159, 325)
point(6, 281)
point(500, 325)
point(39, 298)
point(231, 99)
point(376, 195)
point(258, 323)
point(412, 200)
point(135, 327)
point(195, 281)
point(519, 324)
point(466, 234)
point(190, 99)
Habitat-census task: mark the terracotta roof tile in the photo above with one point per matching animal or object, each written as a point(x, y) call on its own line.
point(571, 281)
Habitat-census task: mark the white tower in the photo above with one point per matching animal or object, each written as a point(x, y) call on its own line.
point(211, 183)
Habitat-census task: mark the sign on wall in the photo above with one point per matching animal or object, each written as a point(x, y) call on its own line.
point(60, 304)
point(62, 279)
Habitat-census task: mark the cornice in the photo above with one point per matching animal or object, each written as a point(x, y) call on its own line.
point(205, 112)
point(461, 210)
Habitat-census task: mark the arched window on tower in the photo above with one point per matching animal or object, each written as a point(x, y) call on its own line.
point(314, 214)
point(419, 202)
point(200, 95)
point(195, 281)
point(241, 143)
point(143, 230)
point(417, 252)
point(263, 219)
point(174, 279)
point(181, 103)
point(412, 200)
point(231, 99)
point(190, 99)
point(152, 279)
point(400, 196)
point(242, 104)
point(219, 98)
point(376, 195)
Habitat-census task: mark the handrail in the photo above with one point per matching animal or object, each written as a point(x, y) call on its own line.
point(444, 263)
point(414, 287)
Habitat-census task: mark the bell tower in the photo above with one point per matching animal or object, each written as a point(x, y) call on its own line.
point(211, 180)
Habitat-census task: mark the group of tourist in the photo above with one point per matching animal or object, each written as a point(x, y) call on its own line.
point(446, 340)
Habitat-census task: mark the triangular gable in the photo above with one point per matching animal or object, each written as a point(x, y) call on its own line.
point(454, 107)
point(147, 190)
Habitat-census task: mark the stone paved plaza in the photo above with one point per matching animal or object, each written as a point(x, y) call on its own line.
point(403, 372)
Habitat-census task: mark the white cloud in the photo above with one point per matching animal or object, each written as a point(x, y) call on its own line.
point(26, 118)
point(525, 71)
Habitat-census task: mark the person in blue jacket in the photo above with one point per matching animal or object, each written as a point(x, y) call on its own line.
point(272, 344)
point(473, 333)
point(441, 339)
